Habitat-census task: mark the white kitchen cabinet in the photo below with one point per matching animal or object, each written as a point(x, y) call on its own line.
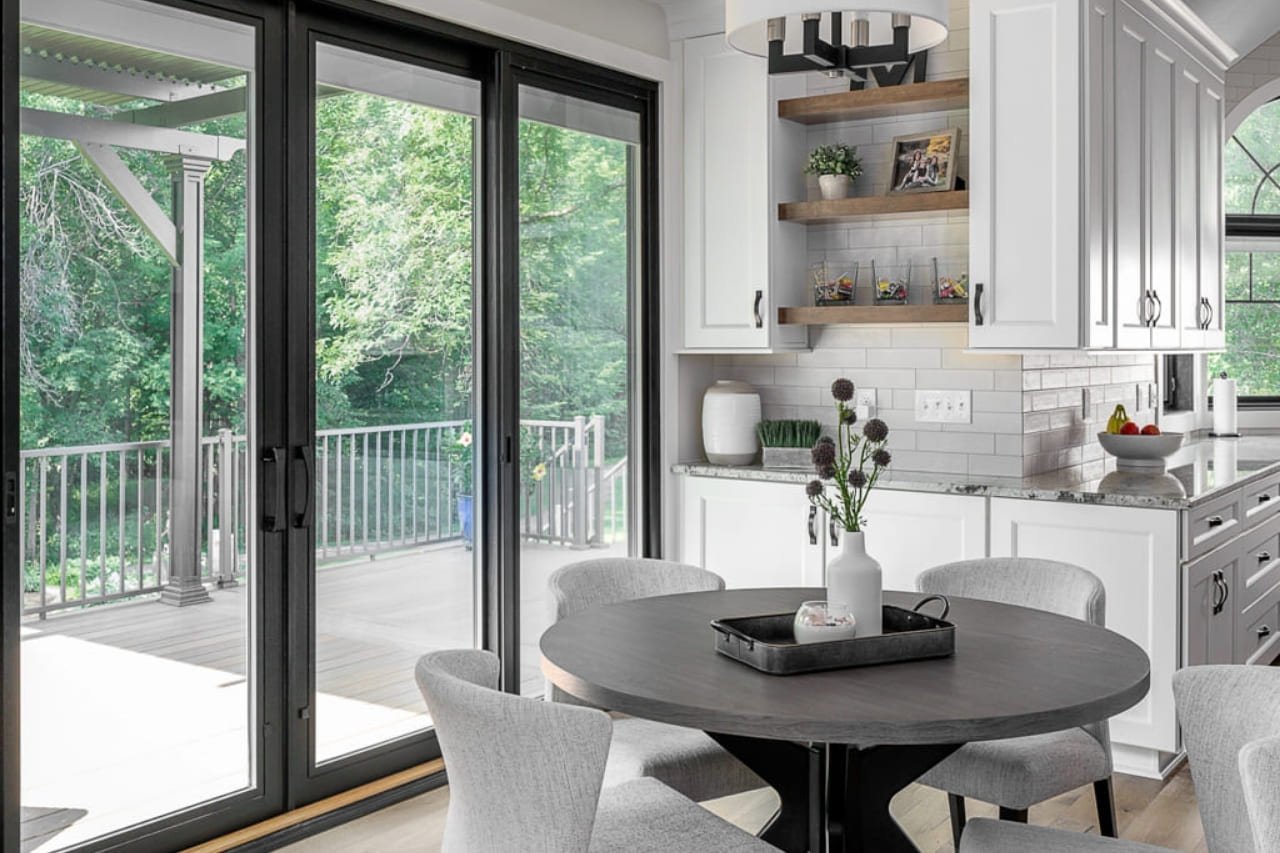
point(740, 161)
point(752, 534)
point(1110, 237)
point(908, 532)
point(1135, 554)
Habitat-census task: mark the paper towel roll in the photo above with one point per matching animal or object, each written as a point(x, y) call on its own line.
point(1224, 406)
point(1226, 459)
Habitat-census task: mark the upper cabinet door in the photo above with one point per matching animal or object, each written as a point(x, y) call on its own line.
point(1187, 103)
point(1212, 219)
point(1131, 247)
point(1024, 197)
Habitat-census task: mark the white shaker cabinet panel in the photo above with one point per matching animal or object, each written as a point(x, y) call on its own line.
point(1024, 188)
point(908, 532)
point(752, 534)
point(740, 160)
point(1135, 554)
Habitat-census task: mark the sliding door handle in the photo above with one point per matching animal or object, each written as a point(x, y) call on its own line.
point(304, 466)
point(274, 475)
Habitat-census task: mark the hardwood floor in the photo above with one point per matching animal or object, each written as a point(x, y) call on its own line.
point(1162, 813)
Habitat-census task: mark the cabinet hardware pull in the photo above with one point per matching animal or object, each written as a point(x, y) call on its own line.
point(1264, 557)
point(977, 304)
point(1209, 315)
point(1264, 498)
point(1214, 521)
point(1264, 631)
point(1204, 312)
point(813, 530)
point(1144, 309)
point(1219, 592)
point(1159, 308)
point(755, 309)
point(831, 531)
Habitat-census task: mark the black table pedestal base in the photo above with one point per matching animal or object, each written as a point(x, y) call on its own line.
point(835, 798)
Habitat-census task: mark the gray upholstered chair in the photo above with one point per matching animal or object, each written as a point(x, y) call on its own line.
point(525, 775)
point(1229, 715)
point(1017, 773)
point(685, 759)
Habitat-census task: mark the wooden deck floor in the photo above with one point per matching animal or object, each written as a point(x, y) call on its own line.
point(133, 710)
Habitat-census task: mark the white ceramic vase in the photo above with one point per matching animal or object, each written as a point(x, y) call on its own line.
point(834, 186)
point(854, 577)
point(730, 414)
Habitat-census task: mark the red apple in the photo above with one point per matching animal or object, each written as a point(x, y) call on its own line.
point(1129, 428)
point(1151, 429)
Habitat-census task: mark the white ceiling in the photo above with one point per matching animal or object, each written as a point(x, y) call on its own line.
point(1243, 24)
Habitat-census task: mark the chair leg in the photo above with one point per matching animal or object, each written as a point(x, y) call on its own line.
point(955, 803)
point(1015, 815)
point(1105, 795)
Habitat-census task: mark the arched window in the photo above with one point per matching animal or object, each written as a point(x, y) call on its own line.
point(1251, 197)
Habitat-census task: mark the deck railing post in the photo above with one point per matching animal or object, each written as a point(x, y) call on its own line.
point(579, 494)
point(597, 470)
point(226, 512)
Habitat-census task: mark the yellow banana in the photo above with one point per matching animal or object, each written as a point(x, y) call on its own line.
point(1118, 419)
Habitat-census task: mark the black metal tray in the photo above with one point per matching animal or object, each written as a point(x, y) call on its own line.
point(768, 642)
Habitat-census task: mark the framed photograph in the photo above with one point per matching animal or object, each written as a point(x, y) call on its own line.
point(924, 162)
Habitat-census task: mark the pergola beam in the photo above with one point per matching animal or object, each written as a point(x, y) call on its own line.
point(227, 102)
point(160, 139)
point(110, 80)
point(134, 195)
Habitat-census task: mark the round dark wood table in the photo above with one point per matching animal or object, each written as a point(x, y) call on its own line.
point(838, 745)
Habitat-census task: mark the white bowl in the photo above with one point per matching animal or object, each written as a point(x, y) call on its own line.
point(1141, 452)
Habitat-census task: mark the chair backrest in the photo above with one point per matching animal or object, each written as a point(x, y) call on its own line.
point(1221, 709)
point(590, 583)
point(1057, 587)
point(524, 775)
point(1260, 773)
point(1051, 585)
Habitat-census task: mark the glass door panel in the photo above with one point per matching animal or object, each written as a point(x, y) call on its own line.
point(139, 682)
point(578, 272)
point(395, 154)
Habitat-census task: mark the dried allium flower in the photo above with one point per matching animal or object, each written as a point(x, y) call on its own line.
point(875, 430)
point(857, 479)
point(882, 458)
point(823, 453)
point(842, 390)
point(826, 472)
point(848, 416)
point(814, 489)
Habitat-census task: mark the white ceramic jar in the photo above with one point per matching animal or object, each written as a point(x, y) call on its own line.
point(730, 415)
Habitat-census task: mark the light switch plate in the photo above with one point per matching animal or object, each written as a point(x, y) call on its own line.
point(944, 407)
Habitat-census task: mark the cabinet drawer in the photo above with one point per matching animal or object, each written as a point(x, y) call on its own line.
point(1261, 500)
point(1212, 523)
point(1259, 631)
point(1259, 566)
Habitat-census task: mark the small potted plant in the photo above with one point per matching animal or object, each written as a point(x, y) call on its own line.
point(837, 166)
point(788, 444)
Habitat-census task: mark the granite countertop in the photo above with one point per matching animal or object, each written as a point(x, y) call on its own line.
point(1201, 468)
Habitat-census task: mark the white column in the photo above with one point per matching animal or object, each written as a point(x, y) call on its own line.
point(186, 393)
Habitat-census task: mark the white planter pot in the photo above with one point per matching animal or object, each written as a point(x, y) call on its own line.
point(835, 186)
point(730, 415)
point(854, 578)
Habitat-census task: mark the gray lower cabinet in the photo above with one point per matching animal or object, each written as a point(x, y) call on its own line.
point(1231, 599)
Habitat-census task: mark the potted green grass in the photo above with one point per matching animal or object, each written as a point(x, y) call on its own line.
point(788, 443)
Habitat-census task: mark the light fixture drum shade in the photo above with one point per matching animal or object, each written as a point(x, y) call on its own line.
point(746, 22)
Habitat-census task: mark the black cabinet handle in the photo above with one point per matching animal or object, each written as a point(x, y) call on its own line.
point(1144, 308)
point(1264, 557)
point(1155, 295)
point(1264, 631)
point(1214, 521)
point(755, 309)
point(1265, 498)
point(813, 528)
point(977, 304)
point(1219, 592)
point(1208, 313)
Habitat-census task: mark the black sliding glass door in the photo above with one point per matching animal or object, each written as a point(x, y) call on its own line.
point(320, 351)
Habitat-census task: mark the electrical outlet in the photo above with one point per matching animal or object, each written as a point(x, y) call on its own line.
point(944, 407)
point(864, 404)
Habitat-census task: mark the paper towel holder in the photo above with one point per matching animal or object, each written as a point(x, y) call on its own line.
point(1214, 434)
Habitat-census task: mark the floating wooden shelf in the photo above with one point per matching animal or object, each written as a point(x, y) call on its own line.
point(828, 315)
point(842, 209)
point(877, 103)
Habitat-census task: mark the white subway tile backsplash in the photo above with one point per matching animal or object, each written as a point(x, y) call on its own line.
point(946, 380)
point(926, 358)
